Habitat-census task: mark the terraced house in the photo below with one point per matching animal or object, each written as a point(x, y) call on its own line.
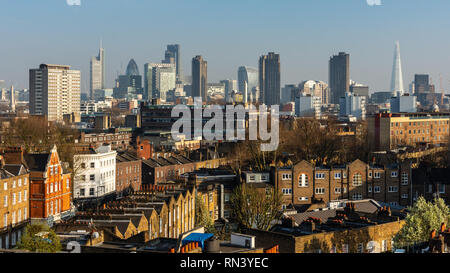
point(144, 215)
point(14, 202)
point(128, 173)
point(305, 183)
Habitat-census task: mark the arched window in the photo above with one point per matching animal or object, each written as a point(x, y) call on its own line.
point(357, 179)
point(303, 180)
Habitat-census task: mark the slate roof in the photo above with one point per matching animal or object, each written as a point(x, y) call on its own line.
point(322, 215)
point(364, 206)
point(37, 162)
point(15, 169)
point(125, 157)
point(5, 174)
point(173, 160)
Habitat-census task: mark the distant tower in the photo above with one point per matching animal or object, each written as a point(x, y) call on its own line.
point(199, 78)
point(12, 101)
point(339, 76)
point(173, 55)
point(397, 76)
point(269, 79)
point(97, 72)
point(245, 93)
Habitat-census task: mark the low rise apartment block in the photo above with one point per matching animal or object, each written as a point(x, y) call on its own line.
point(305, 183)
point(389, 131)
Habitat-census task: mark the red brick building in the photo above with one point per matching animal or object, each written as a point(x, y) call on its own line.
point(128, 173)
point(305, 183)
point(50, 186)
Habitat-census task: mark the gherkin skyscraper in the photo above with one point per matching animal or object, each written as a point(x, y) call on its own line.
point(397, 76)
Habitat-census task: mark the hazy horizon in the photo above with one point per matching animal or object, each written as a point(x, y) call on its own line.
point(229, 34)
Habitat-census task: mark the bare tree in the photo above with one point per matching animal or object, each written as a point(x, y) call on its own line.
point(253, 207)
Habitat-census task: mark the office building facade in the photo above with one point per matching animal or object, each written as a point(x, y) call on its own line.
point(158, 80)
point(247, 74)
point(199, 78)
point(129, 85)
point(97, 73)
point(269, 79)
point(339, 76)
point(173, 56)
point(352, 105)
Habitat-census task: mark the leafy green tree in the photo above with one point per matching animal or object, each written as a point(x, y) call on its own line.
point(253, 207)
point(202, 217)
point(423, 218)
point(39, 238)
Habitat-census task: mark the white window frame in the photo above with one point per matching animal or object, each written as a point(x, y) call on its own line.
point(405, 179)
point(320, 175)
point(319, 191)
point(303, 181)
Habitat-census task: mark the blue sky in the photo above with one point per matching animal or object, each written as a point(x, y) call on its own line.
point(229, 33)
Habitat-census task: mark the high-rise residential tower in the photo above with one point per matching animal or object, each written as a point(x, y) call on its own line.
point(97, 72)
point(339, 76)
point(397, 75)
point(54, 91)
point(269, 79)
point(247, 74)
point(199, 78)
point(173, 56)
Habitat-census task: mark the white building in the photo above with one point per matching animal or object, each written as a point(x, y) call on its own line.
point(88, 107)
point(95, 173)
point(352, 105)
point(307, 106)
point(404, 104)
point(54, 91)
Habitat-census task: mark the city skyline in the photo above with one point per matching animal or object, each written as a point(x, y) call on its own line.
point(301, 59)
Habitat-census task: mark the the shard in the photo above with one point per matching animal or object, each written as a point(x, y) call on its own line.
point(397, 76)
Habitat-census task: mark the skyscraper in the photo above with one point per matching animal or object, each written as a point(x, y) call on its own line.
point(173, 55)
point(247, 74)
point(132, 68)
point(97, 72)
point(421, 83)
point(54, 91)
point(397, 76)
point(199, 78)
point(129, 85)
point(339, 76)
point(269, 79)
point(158, 80)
